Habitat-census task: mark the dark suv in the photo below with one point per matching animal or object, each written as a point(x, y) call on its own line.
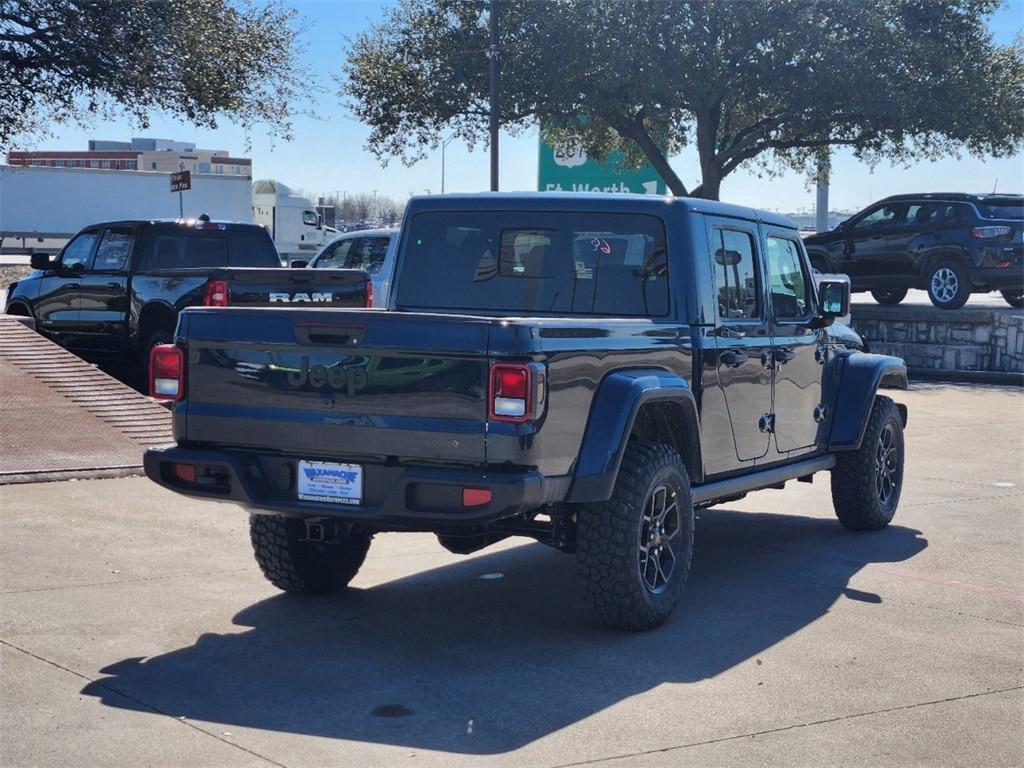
point(951, 245)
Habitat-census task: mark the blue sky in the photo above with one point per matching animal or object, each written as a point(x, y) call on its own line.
point(327, 154)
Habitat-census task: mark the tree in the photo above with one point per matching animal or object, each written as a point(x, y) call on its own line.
point(759, 82)
point(67, 60)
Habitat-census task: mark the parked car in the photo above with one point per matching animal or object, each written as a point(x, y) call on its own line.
point(370, 250)
point(951, 245)
point(584, 370)
point(117, 288)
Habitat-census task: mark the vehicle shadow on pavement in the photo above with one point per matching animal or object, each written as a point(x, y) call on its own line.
point(445, 660)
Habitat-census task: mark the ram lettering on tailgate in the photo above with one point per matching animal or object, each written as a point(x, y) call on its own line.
point(315, 297)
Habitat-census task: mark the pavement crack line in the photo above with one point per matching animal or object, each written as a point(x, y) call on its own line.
point(140, 580)
point(783, 728)
point(150, 707)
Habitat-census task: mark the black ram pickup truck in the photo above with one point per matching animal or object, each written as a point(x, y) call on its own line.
point(117, 288)
point(585, 370)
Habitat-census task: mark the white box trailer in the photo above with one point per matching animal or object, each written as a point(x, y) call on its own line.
point(40, 208)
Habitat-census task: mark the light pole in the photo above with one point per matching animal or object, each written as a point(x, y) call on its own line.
point(494, 116)
point(444, 143)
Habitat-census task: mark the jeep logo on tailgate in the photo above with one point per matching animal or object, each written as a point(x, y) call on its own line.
point(336, 377)
point(315, 297)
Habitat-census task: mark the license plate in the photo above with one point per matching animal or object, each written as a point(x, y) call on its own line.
point(333, 483)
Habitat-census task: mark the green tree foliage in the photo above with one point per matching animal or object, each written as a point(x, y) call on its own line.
point(758, 82)
point(67, 60)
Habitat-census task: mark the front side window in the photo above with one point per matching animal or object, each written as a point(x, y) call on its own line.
point(790, 286)
point(76, 254)
point(369, 254)
point(536, 262)
point(736, 274)
point(113, 251)
point(336, 254)
point(883, 217)
point(309, 218)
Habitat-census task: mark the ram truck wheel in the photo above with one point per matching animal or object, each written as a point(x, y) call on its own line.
point(293, 563)
point(633, 551)
point(866, 483)
point(1014, 298)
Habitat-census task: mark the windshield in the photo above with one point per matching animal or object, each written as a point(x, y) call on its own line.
point(536, 263)
point(1003, 209)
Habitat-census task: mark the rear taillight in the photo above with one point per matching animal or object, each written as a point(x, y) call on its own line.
point(217, 294)
point(167, 372)
point(510, 392)
point(990, 233)
point(369, 294)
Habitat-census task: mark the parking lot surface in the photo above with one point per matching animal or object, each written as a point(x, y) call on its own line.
point(135, 629)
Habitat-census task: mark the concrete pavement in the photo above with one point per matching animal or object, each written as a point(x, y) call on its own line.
point(135, 629)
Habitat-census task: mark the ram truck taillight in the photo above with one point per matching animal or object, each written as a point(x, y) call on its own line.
point(511, 392)
point(217, 294)
point(992, 233)
point(167, 372)
point(369, 293)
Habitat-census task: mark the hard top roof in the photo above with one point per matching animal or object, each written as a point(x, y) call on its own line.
point(598, 202)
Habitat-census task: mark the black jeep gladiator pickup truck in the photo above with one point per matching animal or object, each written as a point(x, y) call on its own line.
point(117, 288)
point(585, 370)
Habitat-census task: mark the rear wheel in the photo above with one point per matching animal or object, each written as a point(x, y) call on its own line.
point(890, 297)
point(1014, 298)
point(296, 565)
point(948, 285)
point(866, 483)
point(633, 551)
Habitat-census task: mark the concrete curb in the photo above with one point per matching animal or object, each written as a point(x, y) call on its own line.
point(1004, 378)
point(58, 475)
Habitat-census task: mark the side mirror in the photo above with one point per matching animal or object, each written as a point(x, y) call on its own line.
point(298, 263)
point(843, 225)
point(833, 298)
point(39, 260)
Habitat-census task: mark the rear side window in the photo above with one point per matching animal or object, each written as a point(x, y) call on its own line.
point(533, 262)
point(252, 248)
point(113, 251)
point(1003, 209)
point(736, 279)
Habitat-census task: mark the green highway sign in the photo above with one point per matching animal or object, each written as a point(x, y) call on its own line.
point(575, 172)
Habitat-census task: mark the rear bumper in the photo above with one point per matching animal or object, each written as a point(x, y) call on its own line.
point(998, 278)
point(395, 497)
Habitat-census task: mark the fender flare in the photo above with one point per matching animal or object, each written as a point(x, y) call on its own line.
point(860, 377)
point(613, 413)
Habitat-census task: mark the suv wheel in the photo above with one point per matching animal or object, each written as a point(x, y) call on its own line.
point(866, 483)
point(1014, 298)
point(292, 563)
point(633, 551)
point(948, 285)
point(890, 297)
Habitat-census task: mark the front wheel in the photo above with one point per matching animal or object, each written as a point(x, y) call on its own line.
point(296, 565)
point(866, 483)
point(889, 298)
point(633, 551)
point(948, 285)
point(1014, 298)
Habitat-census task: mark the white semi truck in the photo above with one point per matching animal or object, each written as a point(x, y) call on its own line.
point(41, 208)
point(298, 230)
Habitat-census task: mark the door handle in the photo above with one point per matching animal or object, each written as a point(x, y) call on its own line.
point(734, 358)
point(783, 355)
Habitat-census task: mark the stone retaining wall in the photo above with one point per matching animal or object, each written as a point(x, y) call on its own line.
point(989, 340)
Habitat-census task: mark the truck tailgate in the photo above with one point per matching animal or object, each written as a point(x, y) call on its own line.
point(253, 286)
point(337, 384)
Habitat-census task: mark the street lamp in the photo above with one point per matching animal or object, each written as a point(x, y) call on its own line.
point(444, 143)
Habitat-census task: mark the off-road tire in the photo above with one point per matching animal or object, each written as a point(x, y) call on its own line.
point(855, 493)
point(1014, 298)
point(963, 283)
point(301, 567)
point(608, 537)
point(889, 298)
